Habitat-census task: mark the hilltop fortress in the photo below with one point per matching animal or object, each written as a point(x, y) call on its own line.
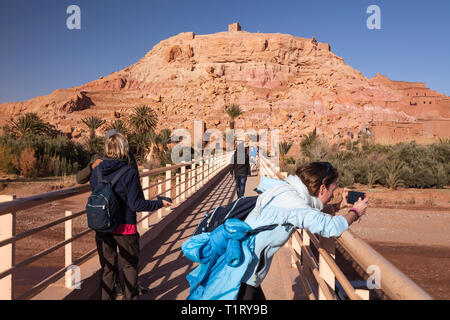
point(280, 81)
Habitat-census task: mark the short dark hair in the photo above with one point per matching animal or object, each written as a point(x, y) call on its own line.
point(314, 174)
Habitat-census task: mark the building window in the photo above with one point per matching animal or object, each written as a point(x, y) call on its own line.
point(430, 102)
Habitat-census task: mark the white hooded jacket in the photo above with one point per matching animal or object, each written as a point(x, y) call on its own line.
point(284, 202)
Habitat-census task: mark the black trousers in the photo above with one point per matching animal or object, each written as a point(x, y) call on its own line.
point(240, 185)
point(128, 247)
point(247, 292)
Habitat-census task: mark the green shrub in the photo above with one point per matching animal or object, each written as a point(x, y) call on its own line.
point(55, 155)
point(345, 179)
point(425, 166)
point(27, 163)
point(6, 159)
point(393, 171)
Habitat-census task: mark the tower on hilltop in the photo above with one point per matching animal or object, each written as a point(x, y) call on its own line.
point(234, 27)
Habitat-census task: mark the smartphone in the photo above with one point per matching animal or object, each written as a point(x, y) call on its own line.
point(353, 196)
point(166, 199)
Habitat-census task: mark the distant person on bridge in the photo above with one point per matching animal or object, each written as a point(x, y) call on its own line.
point(298, 200)
point(125, 237)
point(253, 158)
point(240, 168)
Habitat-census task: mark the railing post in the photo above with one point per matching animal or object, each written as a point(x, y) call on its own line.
point(7, 252)
point(208, 161)
point(189, 175)
point(201, 173)
point(159, 192)
point(177, 189)
point(183, 183)
point(68, 250)
point(328, 244)
point(168, 184)
point(194, 177)
point(216, 167)
point(145, 186)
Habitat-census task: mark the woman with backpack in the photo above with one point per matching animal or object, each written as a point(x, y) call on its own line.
point(125, 238)
point(236, 256)
point(297, 202)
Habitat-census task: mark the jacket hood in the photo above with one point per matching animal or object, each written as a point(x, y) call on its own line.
point(294, 181)
point(266, 183)
point(108, 166)
point(302, 190)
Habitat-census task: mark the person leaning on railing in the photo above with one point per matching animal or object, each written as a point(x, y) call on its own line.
point(125, 237)
point(84, 175)
point(297, 202)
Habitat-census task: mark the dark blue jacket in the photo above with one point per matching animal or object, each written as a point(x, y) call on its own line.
point(128, 189)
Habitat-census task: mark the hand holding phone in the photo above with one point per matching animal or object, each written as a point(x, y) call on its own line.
point(353, 196)
point(166, 201)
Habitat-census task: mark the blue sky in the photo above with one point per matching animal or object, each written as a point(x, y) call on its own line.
point(38, 54)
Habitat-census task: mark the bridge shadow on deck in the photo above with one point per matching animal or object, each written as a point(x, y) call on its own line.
point(163, 267)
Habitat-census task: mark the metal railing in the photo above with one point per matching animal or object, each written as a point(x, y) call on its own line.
point(186, 183)
point(322, 273)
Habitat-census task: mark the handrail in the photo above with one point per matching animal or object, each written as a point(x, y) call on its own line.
point(393, 282)
point(340, 276)
point(39, 199)
point(40, 228)
point(210, 167)
point(43, 198)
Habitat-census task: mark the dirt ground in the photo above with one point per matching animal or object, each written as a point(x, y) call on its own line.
point(411, 228)
point(416, 241)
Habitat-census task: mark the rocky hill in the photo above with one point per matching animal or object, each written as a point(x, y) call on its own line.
point(280, 81)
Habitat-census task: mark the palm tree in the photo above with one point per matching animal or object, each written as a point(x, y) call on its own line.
point(164, 137)
point(159, 143)
point(93, 123)
point(140, 143)
point(372, 177)
point(392, 171)
point(30, 123)
point(307, 141)
point(233, 112)
point(284, 149)
point(143, 119)
point(120, 126)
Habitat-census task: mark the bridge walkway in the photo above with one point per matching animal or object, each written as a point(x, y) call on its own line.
point(163, 267)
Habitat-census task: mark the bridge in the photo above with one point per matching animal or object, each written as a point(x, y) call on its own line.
point(307, 267)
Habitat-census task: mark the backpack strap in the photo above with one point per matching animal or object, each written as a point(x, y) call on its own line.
point(268, 227)
point(116, 177)
point(119, 174)
point(100, 177)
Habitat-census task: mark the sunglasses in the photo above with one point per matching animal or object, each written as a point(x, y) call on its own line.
point(329, 167)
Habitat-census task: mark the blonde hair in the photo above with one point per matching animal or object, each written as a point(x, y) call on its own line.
point(116, 147)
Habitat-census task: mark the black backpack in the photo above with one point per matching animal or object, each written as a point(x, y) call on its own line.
point(102, 209)
point(238, 209)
